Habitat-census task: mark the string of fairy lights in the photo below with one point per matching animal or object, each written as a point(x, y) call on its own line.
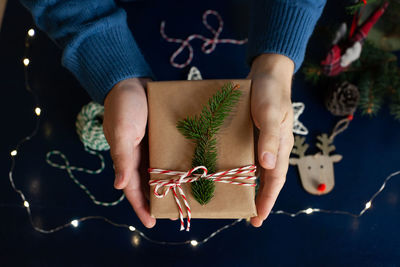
point(137, 233)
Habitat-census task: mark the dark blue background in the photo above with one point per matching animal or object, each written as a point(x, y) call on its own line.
point(369, 147)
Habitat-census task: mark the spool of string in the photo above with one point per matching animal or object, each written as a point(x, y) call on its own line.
point(89, 127)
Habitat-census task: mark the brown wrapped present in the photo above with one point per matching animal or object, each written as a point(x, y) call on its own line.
point(172, 101)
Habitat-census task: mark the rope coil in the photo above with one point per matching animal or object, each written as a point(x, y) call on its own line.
point(89, 127)
point(90, 131)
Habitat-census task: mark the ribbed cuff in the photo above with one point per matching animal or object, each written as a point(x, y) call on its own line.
point(104, 57)
point(282, 27)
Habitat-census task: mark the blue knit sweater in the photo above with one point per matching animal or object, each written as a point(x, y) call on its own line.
point(99, 49)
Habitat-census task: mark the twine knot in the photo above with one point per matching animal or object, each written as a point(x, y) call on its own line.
point(228, 176)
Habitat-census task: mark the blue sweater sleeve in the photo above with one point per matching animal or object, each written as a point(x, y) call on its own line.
point(98, 47)
point(282, 27)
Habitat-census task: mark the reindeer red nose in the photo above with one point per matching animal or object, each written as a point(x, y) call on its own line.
point(321, 187)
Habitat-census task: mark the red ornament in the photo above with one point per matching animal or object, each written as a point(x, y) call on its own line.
point(350, 117)
point(321, 187)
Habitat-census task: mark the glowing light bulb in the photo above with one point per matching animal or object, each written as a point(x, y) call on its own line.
point(13, 153)
point(368, 205)
point(38, 111)
point(31, 32)
point(74, 223)
point(131, 228)
point(309, 210)
point(135, 240)
point(194, 243)
point(26, 61)
point(26, 204)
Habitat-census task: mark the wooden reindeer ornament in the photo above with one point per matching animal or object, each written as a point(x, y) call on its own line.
point(316, 171)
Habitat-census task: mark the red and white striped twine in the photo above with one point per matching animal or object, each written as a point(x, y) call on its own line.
point(188, 177)
point(208, 45)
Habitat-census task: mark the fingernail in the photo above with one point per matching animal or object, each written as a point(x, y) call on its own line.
point(150, 224)
point(258, 222)
point(269, 160)
point(117, 180)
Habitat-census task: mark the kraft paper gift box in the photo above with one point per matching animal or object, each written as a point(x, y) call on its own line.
point(172, 101)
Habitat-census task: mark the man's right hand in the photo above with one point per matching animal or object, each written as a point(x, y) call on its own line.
point(124, 125)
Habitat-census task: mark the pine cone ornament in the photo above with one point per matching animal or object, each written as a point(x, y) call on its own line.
point(342, 99)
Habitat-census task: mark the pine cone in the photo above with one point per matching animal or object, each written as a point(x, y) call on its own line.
point(342, 99)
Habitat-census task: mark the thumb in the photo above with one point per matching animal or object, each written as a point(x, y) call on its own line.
point(123, 158)
point(268, 141)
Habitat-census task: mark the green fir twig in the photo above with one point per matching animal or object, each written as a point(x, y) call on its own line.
point(351, 9)
point(312, 72)
point(201, 129)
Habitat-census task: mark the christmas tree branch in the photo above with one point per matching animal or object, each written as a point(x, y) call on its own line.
point(202, 130)
point(355, 7)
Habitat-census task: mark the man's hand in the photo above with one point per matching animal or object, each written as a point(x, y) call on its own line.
point(272, 113)
point(125, 118)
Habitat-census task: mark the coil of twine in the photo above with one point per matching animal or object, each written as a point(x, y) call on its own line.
point(90, 131)
point(89, 127)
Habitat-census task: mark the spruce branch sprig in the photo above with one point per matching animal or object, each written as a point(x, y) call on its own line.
point(351, 9)
point(201, 129)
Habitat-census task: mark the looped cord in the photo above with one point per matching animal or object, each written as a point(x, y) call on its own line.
point(209, 44)
point(90, 131)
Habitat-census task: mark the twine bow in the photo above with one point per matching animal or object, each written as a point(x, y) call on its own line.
point(228, 176)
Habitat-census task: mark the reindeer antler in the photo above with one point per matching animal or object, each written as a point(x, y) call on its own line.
point(325, 144)
point(299, 148)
